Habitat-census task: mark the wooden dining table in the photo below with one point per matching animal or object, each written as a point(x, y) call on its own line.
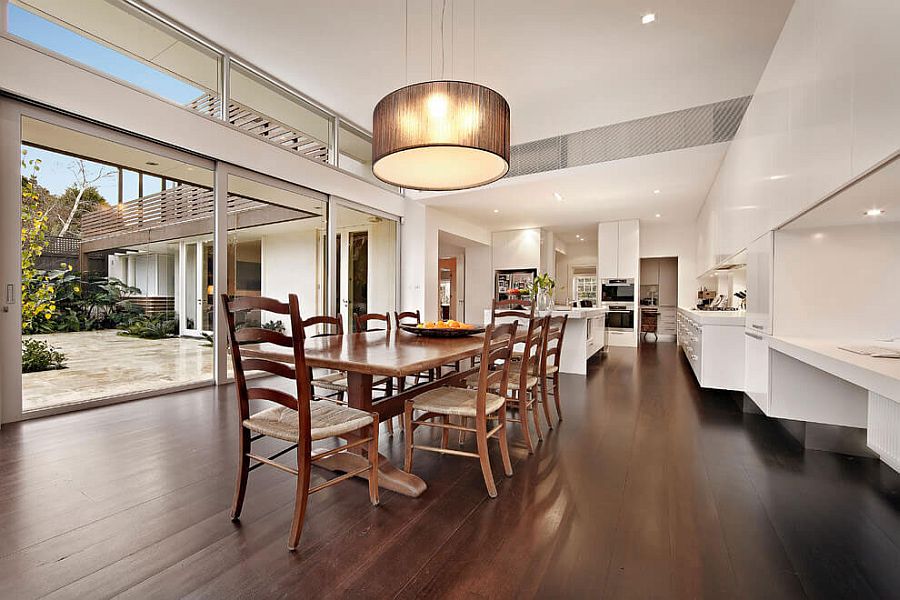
point(364, 355)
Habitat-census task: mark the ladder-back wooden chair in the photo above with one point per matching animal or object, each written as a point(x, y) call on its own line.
point(481, 405)
point(524, 378)
point(556, 331)
point(296, 418)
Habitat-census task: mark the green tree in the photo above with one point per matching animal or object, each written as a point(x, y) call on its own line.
point(37, 289)
point(71, 206)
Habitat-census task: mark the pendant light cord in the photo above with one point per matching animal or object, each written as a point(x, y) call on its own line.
point(443, 11)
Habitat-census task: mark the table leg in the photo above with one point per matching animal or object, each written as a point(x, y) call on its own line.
point(359, 395)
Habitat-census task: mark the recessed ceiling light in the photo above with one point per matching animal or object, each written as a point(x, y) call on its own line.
point(496, 210)
point(648, 18)
point(874, 212)
point(578, 235)
point(658, 215)
point(656, 191)
point(776, 177)
point(558, 196)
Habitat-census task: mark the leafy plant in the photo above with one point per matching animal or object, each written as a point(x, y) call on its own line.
point(152, 327)
point(274, 326)
point(37, 290)
point(38, 355)
point(542, 283)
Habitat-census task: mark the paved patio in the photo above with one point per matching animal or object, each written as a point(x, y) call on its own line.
point(102, 364)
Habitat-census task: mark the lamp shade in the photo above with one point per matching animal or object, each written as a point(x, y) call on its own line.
point(441, 135)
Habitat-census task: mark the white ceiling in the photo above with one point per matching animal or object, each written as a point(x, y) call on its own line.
point(563, 66)
point(621, 189)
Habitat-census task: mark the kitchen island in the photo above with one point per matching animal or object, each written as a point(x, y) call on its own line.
point(585, 336)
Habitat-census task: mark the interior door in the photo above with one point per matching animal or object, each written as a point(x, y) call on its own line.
point(195, 281)
point(353, 280)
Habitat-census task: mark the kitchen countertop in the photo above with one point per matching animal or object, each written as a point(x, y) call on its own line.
point(716, 317)
point(880, 375)
point(573, 313)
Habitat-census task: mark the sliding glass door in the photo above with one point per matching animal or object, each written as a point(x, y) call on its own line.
point(109, 291)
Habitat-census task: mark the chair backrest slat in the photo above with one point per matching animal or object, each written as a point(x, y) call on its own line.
point(533, 354)
point(269, 366)
point(332, 325)
point(248, 335)
point(272, 395)
point(522, 309)
point(556, 329)
point(400, 317)
point(362, 321)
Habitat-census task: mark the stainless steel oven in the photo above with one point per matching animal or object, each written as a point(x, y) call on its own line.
point(620, 317)
point(617, 290)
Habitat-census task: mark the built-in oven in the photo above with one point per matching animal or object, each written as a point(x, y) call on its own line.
point(620, 317)
point(617, 290)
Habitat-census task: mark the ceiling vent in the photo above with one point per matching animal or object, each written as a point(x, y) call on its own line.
point(696, 126)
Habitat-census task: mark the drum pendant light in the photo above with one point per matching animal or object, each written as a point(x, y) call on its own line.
point(441, 135)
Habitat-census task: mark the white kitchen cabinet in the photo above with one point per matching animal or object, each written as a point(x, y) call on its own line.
point(824, 111)
point(618, 249)
point(714, 346)
point(608, 250)
point(760, 288)
point(629, 249)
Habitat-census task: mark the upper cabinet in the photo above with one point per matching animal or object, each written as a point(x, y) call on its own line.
point(629, 258)
point(608, 250)
point(825, 111)
point(618, 249)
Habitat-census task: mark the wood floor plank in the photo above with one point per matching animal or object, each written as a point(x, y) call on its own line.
point(650, 487)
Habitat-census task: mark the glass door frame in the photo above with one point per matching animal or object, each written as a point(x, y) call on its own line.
point(12, 112)
point(335, 272)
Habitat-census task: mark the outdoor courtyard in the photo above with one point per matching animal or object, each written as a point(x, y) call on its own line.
point(103, 364)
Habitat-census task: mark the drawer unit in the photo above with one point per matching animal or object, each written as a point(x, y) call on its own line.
point(667, 320)
point(715, 352)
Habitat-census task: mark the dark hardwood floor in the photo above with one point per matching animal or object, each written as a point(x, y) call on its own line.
point(650, 488)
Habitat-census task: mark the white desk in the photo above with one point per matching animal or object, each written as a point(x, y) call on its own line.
point(820, 383)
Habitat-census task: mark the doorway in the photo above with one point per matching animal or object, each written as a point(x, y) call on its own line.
point(447, 292)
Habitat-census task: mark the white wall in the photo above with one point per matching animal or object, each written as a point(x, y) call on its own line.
point(824, 291)
point(825, 111)
point(479, 282)
point(419, 255)
point(517, 249)
point(289, 267)
point(660, 239)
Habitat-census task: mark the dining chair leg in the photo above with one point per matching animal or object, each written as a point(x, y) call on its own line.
point(408, 438)
point(534, 413)
point(240, 486)
point(373, 461)
point(302, 495)
point(556, 395)
point(545, 402)
point(462, 434)
point(504, 446)
point(445, 432)
point(390, 426)
point(523, 421)
point(481, 438)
